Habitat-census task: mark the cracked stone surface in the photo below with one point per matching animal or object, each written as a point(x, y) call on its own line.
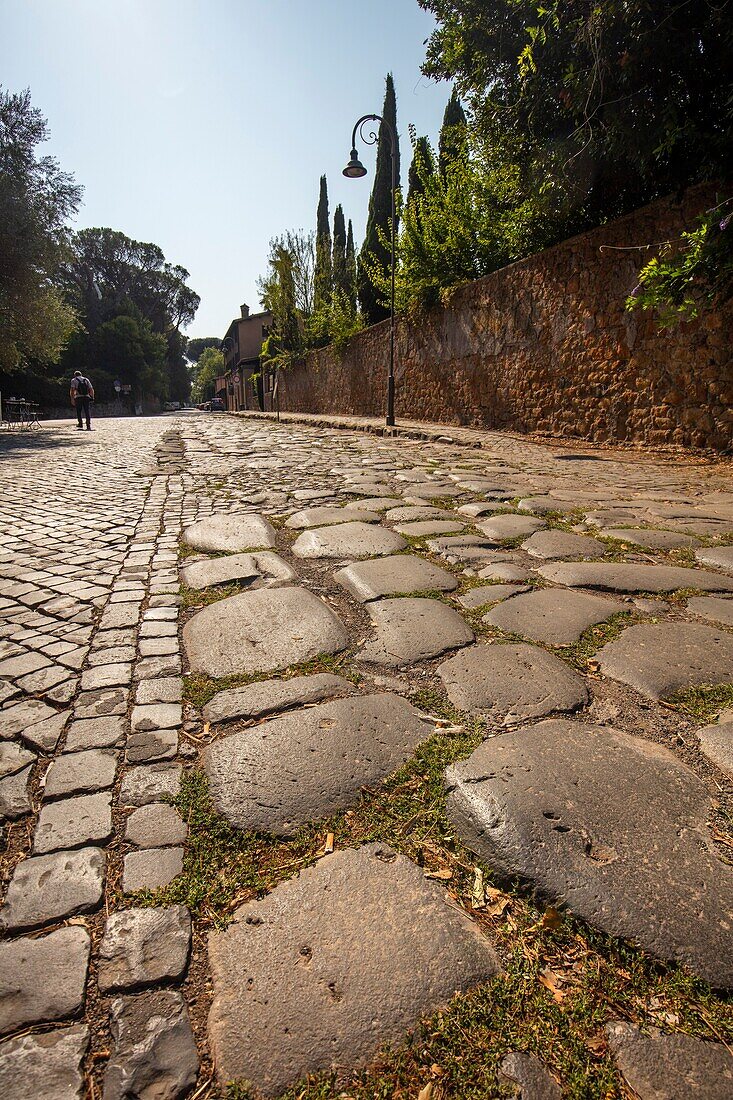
point(270, 696)
point(552, 616)
point(392, 576)
point(151, 869)
point(721, 557)
point(232, 567)
point(261, 632)
point(658, 659)
point(47, 888)
point(347, 540)
point(74, 823)
point(154, 1050)
point(309, 764)
point(143, 946)
point(95, 733)
point(532, 1080)
point(409, 630)
point(716, 741)
point(232, 532)
point(715, 609)
point(150, 783)
point(670, 1067)
point(503, 528)
point(14, 797)
point(42, 980)
point(511, 682)
point(489, 593)
point(47, 1065)
point(81, 772)
point(623, 577)
point(563, 544)
point(651, 539)
point(591, 819)
point(157, 825)
point(333, 963)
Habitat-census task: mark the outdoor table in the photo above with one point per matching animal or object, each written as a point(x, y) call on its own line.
point(21, 414)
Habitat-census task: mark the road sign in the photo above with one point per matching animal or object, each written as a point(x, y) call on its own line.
point(235, 378)
point(118, 386)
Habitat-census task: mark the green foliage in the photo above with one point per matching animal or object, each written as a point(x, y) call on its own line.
point(131, 352)
point(469, 220)
point(209, 366)
point(689, 275)
point(340, 275)
point(199, 344)
point(420, 166)
point(616, 103)
point(453, 140)
point(323, 277)
point(36, 201)
point(375, 250)
point(287, 291)
point(351, 272)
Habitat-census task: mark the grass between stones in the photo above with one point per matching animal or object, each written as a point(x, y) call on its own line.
point(704, 701)
point(562, 981)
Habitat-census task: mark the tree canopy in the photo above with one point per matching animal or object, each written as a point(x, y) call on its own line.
point(375, 249)
point(615, 104)
point(36, 201)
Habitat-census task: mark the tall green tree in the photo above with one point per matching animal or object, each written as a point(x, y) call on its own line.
point(323, 270)
point(287, 291)
point(36, 201)
point(374, 249)
point(340, 276)
point(198, 344)
point(616, 103)
point(351, 268)
point(453, 138)
point(209, 366)
point(421, 166)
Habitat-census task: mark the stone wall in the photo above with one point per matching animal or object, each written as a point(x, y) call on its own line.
point(545, 345)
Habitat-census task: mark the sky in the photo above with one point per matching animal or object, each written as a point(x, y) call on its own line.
point(205, 125)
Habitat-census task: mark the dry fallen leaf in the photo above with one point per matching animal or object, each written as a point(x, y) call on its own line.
point(551, 918)
point(478, 891)
point(443, 874)
point(551, 981)
point(427, 1092)
point(329, 845)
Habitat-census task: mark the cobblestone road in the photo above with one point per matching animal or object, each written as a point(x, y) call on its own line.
point(549, 631)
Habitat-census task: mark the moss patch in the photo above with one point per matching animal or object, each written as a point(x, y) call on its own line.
point(199, 689)
point(704, 701)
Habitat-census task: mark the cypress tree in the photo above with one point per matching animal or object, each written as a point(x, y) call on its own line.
point(323, 275)
point(351, 267)
point(380, 209)
point(421, 166)
point(340, 280)
point(453, 141)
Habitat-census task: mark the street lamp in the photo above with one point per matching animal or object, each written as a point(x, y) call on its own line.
point(355, 170)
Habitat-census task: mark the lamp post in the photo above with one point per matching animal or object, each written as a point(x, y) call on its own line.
point(355, 170)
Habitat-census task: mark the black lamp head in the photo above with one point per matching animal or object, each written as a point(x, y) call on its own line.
point(354, 170)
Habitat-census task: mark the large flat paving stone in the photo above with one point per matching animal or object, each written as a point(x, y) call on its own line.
point(413, 629)
point(651, 539)
point(276, 776)
point(715, 609)
point(503, 528)
point(658, 659)
point(213, 571)
point(563, 544)
point(609, 825)
point(234, 533)
point(150, 869)
point(670, 1067)
point(347, 540)
point(270, 696)
point(149, 783)
point(261, 632)
point(716, 741)
point(392, 576)
point(42, 980)
point(141, 947)
point(512, 682)
point(721, 557)
point(552, 615)
point(332, 964)
point(15, 718)
point(95, 733)
point(430, 527)
point(157, 825)
point(48, 1066)
point(532, 1080)
point(489, 593)
point(48, 888)
point(15, 799)
point(324, 516)
point(154, 1050)
point(629, 577)
point(74, 823)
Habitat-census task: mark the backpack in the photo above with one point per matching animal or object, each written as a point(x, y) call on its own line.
point(82, 387)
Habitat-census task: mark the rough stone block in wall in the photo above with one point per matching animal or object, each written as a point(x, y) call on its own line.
point(546, 345)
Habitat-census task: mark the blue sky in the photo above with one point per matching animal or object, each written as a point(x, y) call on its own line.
point(204, 125)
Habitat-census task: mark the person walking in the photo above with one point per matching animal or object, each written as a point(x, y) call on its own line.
point(81, 393)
